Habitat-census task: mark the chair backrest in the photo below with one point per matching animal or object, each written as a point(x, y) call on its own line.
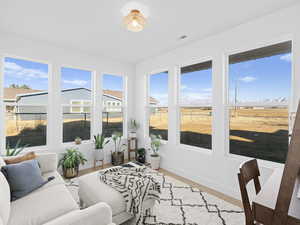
point(248, 171)
point(4, 200)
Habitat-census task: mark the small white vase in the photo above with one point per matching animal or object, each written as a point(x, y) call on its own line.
point(155, 162)
point(132, 134)
point(98, 154)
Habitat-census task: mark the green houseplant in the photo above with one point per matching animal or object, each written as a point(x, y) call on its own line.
point(100, 142)
point(70, 162)
point(141, 153)
point(117, 156)
point(155, 145)
point(16, 150)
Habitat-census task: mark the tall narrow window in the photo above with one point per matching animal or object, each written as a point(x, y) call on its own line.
point(112, 113)
point(158, 104)
point(76, 103)
point(259, 92)
point(195, 105)
point(25, 99)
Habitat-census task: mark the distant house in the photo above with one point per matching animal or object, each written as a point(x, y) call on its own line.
point(75, 101)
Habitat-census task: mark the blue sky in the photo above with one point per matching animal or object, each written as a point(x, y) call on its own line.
point(35, 75)
point(21, 72)
point(75, 78)
point(261, 79)
point(159, 87)
point(256, 80)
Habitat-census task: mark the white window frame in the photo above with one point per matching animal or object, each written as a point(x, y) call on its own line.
point(149, 105)
point(124, 105)
point(3, 104)
point(179, 105)
point(227, 105)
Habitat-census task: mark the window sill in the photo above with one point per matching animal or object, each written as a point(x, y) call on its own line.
point(261, 162)
point(72, 143)
point(196, 149)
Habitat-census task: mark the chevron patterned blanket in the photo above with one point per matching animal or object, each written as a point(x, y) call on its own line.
point(136, 184)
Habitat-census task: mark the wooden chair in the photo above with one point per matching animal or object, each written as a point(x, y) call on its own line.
point(248, 171)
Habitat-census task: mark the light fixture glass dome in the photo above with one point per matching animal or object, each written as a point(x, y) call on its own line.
point(135, 21)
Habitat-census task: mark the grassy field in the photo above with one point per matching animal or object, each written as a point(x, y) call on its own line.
point(260, 133)
point(34, 131)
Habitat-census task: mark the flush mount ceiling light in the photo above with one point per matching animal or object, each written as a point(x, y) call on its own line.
point(135, 21)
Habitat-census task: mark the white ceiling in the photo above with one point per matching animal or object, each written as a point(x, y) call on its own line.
point(95, 26)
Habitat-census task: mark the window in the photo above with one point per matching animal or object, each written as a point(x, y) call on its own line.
point(195, 105)
point(25, 100)
point(112, 114)
point(76, 103)
point(158, 104)
point(259, 92)
point(80, 106)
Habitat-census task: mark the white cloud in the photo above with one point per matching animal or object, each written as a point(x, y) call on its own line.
point(196, 98)
point(76, 82)
point(15, 70)
point(286, 57)
point(248, 79)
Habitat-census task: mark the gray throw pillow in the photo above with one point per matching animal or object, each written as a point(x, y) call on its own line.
point(23, 178)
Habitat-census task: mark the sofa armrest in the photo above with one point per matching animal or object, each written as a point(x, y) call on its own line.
point(98, 214)
point(48, 161)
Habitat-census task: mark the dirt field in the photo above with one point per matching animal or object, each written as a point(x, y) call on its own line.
point(34, 131)
point(261, 133)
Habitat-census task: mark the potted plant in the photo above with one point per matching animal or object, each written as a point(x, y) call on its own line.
point(140, 157)
point(16, 150)
point(99, 141)
point(77, 140)
point(70, 162)
point(117, 156)
point(154, 157)
point(133, 126)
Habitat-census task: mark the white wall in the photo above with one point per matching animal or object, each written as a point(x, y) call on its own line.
point(216, 169)
point(56, 57)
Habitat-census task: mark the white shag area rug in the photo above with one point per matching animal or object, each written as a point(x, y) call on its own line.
point(182, 204)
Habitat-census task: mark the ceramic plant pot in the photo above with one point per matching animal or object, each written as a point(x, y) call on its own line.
point(70, 172)
point(117, 158)
point(155, 162)
point(98, 154)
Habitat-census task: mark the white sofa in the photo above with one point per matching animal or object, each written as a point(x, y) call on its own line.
point(51, 204)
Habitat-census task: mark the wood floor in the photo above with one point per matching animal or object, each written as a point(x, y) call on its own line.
point(189, 182)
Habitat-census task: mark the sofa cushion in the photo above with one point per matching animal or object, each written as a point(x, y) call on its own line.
point(23, 178)
point(58, 180)
point(40, 207)
point(4, 199)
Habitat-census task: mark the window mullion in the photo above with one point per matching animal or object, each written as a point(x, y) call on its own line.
point(2, 107)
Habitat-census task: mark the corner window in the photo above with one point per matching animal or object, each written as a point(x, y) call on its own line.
point(25, 100)
point(158, 104)
point(195, 105)
point(258, 104)
point(76, 103)
point(112, 114)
